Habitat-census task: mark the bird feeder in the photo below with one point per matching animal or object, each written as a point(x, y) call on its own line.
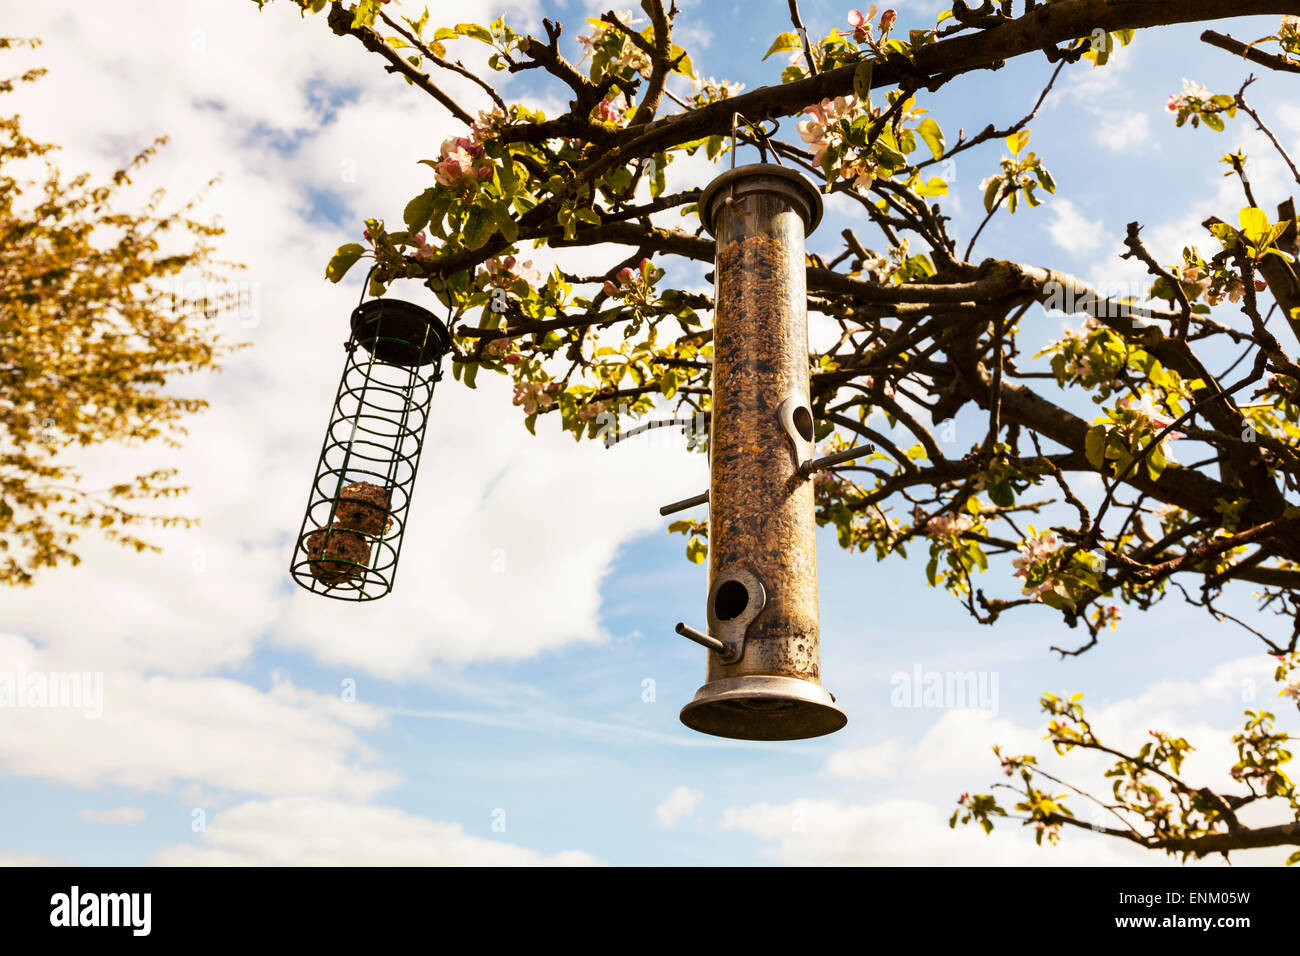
point(764, 680)
point(351, 534)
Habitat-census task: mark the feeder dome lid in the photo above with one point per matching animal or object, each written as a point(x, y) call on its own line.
point(763, 178)
point(399, 333)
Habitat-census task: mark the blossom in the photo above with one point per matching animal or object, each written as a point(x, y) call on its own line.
point(591, 411)
point(1110, 614)
point(502, 272)
point(423, 251)
point(1145, 415)
point(949, 525)
point(534, 396)
point(628, 53)
point(829, 482)
point(628, 279)
point(607, 111)
point(887, 20)
point(822, 131)
point(1035, 551)
point(488, 123)
point(499, 347)
point(861, 22)
point(707, 90)
point(1193, 95)
point(460, 163)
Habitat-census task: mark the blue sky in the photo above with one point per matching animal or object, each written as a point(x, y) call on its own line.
point(519, 697)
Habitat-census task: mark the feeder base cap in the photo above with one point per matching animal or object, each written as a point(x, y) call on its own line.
point(763, 708)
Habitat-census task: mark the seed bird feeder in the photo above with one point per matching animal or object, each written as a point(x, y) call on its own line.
point(352, 531)
point(763, 680)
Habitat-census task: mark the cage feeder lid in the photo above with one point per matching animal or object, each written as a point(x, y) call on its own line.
point(399, 333)
point(763, 178)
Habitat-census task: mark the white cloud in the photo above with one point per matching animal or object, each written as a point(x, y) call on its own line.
point(1071, 230)
point(159, 732)
point(879, 760)
point(120, 816)
point(678, 805)
point(28, 859)
point(1127, 131)
point(312, 832)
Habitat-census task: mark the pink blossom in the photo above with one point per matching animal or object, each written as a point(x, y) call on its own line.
point(1034, 551)
point(488, 121)
point(502, 272)
point(456, 165)
point(608, 112)
point(1193, 95)
point(949, 525)
point(1145, 414)
point(887, 20)
point(533, 396)
point(861, 22)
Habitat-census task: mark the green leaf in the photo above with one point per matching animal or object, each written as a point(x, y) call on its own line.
point(1094, 445)
point(888, 156)
point(933, 187)
point(697, 549)
point(479, 225)
point(476, 31)
point(344, 259)
point(991, 193)
point(418, 210)
point(930, 132)
point(658, 182)
point(1254, 223)
point(1156, 462)
point(862, 81)
point(364, 15)
point(784, 42)
point(1018, 141)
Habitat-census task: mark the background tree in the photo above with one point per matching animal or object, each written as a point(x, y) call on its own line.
point(926, 332)
point(90, 336)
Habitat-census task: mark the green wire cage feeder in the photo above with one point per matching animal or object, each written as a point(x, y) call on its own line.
point(351, 534)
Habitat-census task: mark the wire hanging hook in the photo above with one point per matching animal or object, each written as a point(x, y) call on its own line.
point(762, 137)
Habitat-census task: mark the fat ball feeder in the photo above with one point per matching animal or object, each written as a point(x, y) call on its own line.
point(763, 679)
point(351, 534)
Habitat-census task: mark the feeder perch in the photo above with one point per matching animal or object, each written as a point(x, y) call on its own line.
point(351, 534)
point(763, 680)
